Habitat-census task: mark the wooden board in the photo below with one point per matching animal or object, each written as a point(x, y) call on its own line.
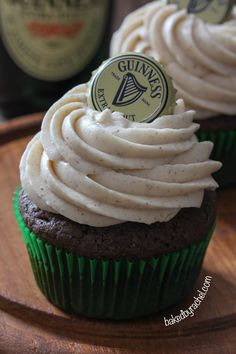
point(30, 324)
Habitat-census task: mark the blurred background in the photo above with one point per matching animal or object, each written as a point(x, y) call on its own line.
point(46, 48)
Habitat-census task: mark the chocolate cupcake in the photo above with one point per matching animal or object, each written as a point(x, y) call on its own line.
point(129, 240)
point(116, 214)
point(201, 59)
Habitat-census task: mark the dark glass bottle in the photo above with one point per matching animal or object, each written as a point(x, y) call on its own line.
point(47, 47)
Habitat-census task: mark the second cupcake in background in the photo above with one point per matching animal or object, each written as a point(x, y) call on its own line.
point(201, 59)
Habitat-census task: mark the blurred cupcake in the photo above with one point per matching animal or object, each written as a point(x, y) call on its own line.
point(116, 215)
point(201, 59)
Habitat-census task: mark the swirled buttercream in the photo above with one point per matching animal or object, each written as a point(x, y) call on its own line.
point(200, 57)
point(98, 168)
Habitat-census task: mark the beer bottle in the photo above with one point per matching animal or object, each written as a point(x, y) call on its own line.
point(47, 47)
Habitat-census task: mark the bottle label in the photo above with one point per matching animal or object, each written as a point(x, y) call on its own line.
point(52, 40)
point(135, 85)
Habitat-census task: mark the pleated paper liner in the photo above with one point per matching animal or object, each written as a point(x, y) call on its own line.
point(114, 289)
point(225, 151)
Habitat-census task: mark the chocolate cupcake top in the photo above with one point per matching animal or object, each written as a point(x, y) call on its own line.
point(199, 56)
point(99, 169)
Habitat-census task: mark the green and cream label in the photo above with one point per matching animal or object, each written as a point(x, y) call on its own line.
point(212, 11)
point(133, 84)
point(52, 40)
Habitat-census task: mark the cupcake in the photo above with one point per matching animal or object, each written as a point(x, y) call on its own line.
point(116, 214)
point(201, 59)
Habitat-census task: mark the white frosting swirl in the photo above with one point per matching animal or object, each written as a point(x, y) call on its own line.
point(200, 57)
point(102, 169)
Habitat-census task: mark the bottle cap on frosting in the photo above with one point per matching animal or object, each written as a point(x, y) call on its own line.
point(133, 84)
point(212, 11)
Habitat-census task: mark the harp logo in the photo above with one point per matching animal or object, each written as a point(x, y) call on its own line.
point(130, 90)
point(212, 11)
point(195, 6)
point(133, 84)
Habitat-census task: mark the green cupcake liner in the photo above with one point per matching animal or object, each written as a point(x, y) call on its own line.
point(225, 151)
point(107, 288)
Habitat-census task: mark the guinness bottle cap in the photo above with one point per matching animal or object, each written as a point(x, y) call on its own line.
point(133, 84)
point(212, 11)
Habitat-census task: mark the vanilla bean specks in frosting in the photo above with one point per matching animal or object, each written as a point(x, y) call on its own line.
point(200, 57)
point(100, 169)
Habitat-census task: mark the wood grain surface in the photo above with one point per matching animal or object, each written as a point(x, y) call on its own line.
point(30, 324)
